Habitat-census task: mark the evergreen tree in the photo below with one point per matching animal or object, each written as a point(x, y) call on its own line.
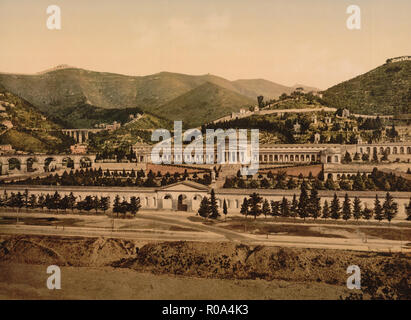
point(390, 208)
point(326, 210)
point(408, 210)
point(291, 184)
point(214, 206)
point(378, 213)
point(303, 202)
point(244, 207)
point(335, 208)
point(285, 207)
point(314, 205)
point(205, 209)
point(55, 202)
point(33, 201)
point(275, 208)
point(367, 213)
point(357, 211)
point(16, 201)
point(124, 207)
point(294, 207)
point(104, 204)
point(346, 208)
point(48, 202)
point(266, 208)
point(117, 205)
point(347, 157)
point(41, 202)
point(72, 201)
point(255, 205)
point(26, 198)
point(225, 209)
point(88, 203)
point(134, 205)
point(64, 203)
point(358, 183)
point(329, 184)
point(95, 203)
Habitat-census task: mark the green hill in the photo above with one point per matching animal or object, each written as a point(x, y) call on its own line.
point(72, 96)
point(28, 130)
point(204, 104)
point(384, 90)
point(269, 90)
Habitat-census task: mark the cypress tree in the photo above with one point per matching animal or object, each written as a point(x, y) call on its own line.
point(214, 206)
point(357, 211)
point(117, 205)
point(367, 213)
point(335, 208)
point(72, 201)
point(303, 202)
point(33, 201)
point(275, 208)
point(408, 210)
point(326, 210)
point(346, 209)
point(314, 206)
point(134, 205)
point(266, 208)
point(205, 209)
point(255, 205)
point(244, 207)
point(378, 213)
point(294, 207)
point(390, 208)
point(285, 207)
point(225, 209)
point(104, 203)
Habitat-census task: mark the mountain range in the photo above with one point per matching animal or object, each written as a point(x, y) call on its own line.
point(61, 91)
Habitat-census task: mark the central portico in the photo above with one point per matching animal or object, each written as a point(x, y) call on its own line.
point(182, 196)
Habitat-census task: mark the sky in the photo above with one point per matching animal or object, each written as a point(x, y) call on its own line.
point(285, 41)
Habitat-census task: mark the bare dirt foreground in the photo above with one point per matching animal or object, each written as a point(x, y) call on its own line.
point(106, 268)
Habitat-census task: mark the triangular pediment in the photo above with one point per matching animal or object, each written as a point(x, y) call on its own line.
point(185, 186)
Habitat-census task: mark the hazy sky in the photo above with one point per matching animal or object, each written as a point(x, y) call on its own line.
point(285, 41)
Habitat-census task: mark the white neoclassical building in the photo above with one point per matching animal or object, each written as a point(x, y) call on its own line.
point(278, 153)
point(187, 195)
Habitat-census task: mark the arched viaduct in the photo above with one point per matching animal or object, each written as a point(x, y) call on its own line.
point(80, 135)
point(44, 163)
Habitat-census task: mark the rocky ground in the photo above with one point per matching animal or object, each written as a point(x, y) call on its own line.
point(114, 268)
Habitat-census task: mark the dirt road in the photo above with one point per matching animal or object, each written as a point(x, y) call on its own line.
point(148, 226)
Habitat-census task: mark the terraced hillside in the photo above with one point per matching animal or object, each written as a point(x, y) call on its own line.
point(27, 129)
point(384, 90)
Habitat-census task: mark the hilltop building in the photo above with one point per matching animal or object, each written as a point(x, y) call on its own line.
point(110, 127)
point(79, 148)
point(399, 59)
point(345, 113)
point(6, 149)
